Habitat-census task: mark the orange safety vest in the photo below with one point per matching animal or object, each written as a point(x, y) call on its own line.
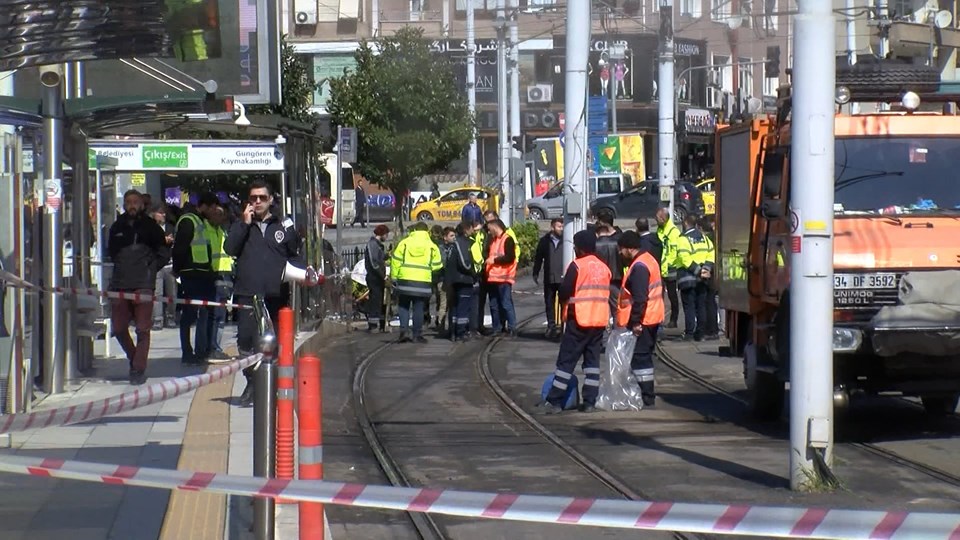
point(501, 273)
point(591, 293)
point(654, 313)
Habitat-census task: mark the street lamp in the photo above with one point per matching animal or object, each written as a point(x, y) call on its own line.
point(617, 52)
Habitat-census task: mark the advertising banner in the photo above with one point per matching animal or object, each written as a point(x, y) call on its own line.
point(183, 156)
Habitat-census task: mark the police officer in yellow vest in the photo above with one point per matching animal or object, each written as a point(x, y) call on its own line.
point(711, 326)
point(223, 268)
point(669, 236)
point(478, 239)
point(695, 259)
point(193, 264)
point(414, 266)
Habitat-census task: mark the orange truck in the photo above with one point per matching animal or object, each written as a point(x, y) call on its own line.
point(896, 249)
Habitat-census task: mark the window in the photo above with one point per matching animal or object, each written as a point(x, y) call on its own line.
point(453, 196)
point(690, 8)
point(725, 71)
point(745, 72)
point(770, 16)
point(770, 86)
point(720, 10)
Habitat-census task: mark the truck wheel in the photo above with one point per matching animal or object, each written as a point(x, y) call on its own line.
point(764, 390)
point(679, 214)
point(537, 214)
point(886, 76)
point(940, 405)
point(424, 216)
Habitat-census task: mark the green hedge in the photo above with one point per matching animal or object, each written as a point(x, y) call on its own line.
point(528, 234)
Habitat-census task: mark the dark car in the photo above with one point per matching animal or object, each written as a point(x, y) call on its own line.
point(643, 200)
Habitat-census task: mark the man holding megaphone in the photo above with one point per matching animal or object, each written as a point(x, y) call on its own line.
point(267, 249)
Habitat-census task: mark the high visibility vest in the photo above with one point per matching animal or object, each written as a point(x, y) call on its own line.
point(591, 293)
point(516, 243)
point(199, 244)
point(692, 255)
point(654, 312)
point(221, 262)
point(476, 249)
point(669, 235)
point(413, 263)
point(501, 273)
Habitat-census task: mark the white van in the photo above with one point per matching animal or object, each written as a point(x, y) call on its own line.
point(550, 204)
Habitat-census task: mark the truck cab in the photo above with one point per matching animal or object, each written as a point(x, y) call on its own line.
point(896, 264)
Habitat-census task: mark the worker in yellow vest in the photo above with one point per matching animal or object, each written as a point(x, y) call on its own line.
point(669, 237)
point(223, 268)
point(193, 264)
point(695, 268)
point(478, 239)
point(585, 296)
point(501, 265)
point(414, 266)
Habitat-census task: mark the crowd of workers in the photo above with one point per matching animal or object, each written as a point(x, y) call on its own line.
point(618, 279)
point(212, 259)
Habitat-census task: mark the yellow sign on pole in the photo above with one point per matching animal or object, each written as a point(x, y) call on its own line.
point(138, 179)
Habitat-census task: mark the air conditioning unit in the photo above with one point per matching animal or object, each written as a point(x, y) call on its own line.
point(540, 93)
point(305, 12)
point(714, 98)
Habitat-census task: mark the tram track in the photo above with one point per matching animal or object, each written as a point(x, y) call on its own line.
point(427, 526)
point(875, 450)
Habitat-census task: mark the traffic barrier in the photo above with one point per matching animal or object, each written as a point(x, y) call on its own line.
point(14, 281)
point(128, 401)
point(286, 373)
point(764, 521)
point(310, 417)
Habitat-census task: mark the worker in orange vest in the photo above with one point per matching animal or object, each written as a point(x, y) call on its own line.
point(585, 295)
point(641, 309)
point(501, 267)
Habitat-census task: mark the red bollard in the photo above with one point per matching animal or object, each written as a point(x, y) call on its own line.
point(310, 418)
point(286, 373)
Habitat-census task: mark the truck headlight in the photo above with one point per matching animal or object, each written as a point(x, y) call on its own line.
point(847, 339)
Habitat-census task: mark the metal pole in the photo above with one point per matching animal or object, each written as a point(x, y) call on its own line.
point(472, 89)
point(514, 104)
point(53, 335)
point(575, 129)
point(851, 21)
point(503, 118)
point(811, 284)
point(665, 137)
point(264, 421)
point(339, 187)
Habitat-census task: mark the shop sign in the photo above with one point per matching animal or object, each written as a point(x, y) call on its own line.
point(192, 157)
point(699, 122)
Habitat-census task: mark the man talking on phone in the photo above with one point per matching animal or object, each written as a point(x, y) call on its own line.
point(262, 243)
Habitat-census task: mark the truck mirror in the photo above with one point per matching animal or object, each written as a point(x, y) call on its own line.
point(773, 174)
point(771, 209)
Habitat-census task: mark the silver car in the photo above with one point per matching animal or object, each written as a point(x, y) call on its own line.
point(550, 204)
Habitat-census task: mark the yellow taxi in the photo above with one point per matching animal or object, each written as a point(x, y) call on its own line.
point(706, 187)
point(447, 207)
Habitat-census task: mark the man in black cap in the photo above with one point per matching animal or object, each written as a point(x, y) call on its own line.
point(584, 295)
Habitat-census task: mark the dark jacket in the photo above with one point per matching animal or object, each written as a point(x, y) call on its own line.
point(166, 252)
point(262, 256)
point(608, 252)
point(361, 197)
point(374, 261)
point(651, 243)
point(135, 247)
point(638, 282)
point(459, 268)
point(471, 213)
point(550, 257)
point(182, 255)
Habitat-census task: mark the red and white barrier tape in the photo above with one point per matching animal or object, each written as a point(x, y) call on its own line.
point(766, 521)
point(14, 281)
point(129, 401)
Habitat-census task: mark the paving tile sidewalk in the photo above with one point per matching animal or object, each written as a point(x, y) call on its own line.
point(41, 508)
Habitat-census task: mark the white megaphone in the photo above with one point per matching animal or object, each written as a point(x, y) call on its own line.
point(304, 276)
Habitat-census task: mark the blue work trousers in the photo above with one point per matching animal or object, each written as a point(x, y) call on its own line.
point(196, 287)
point(501, 307)
point(577, 342)
point(411, 306)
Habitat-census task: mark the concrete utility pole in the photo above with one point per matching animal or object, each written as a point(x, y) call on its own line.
point(503, 144)
point(851, 21)
point(514, 103)
point(811, 284)
point(472, 89)
point(667, 95)
point(575, 129)
point(51, 78)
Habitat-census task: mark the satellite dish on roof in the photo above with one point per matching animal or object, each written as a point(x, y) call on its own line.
point(942, 19)
point(735, 21)
point(754, 105)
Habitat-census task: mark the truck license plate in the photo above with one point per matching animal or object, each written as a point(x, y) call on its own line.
point(865, 281)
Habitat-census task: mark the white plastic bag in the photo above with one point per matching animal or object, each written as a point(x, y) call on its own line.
point(619, 390)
